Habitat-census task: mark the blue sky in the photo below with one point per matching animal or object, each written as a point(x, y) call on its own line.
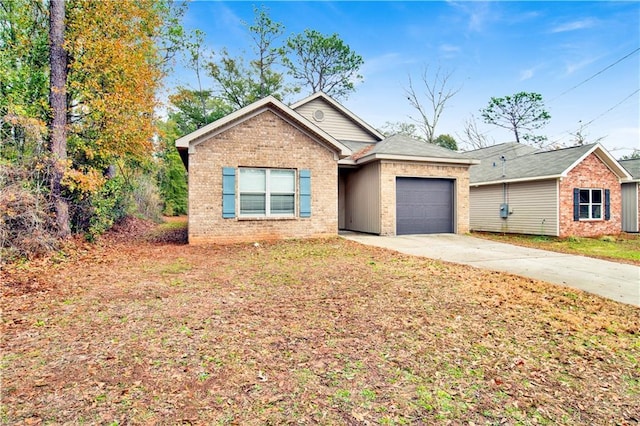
point(491, 49)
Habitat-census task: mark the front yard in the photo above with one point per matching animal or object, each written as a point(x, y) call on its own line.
point(618, 248)
point(147, 331)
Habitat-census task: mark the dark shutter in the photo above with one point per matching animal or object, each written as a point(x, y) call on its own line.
point(228, 192)
point(576, 204)
point(607, 205)
point(305, 193)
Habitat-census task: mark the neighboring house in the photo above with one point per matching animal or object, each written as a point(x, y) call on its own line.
point(272, 171)
point(565, 192)
point(630, 196)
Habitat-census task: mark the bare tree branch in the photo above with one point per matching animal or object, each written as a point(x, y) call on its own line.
point(432, 101)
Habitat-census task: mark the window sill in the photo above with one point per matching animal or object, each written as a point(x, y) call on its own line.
point(268, 218)
point(590, 220)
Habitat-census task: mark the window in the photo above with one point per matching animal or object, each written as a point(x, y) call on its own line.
point(267, 192)
point(590, 204)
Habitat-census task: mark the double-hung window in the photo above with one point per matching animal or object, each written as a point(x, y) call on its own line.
point(267, 192)
point(591, 204)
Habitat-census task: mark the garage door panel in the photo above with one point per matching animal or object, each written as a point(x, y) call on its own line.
point(424, 206)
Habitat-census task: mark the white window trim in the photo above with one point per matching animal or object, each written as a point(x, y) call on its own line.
point(267, 195)
point(591, 204)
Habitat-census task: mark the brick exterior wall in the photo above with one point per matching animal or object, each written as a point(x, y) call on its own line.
point(264, 141)
point(391, 169)
point(590, 173)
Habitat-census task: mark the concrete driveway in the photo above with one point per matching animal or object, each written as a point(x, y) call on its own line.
point(616, 281)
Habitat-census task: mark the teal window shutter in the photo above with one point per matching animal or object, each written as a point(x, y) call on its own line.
point(607, 205)
point(228, 192)
point(305, 193)
point(576, 204)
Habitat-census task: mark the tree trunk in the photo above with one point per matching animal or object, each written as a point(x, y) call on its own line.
point(58, 104)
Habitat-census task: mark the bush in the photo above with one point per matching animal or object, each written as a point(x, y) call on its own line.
point(27, 226)
point(145, 199)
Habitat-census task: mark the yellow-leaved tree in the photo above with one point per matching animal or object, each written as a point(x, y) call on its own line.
point(117, 51)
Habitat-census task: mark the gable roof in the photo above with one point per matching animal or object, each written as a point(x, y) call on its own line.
point(401, 147)
point(340, 108)
point(633, 167)
point(527, 164)
point(270, 103)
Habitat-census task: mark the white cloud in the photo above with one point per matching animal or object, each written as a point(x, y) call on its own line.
point(527, 74)
point(478, 13)
point(449, 48)
point(572, 67)
point(574, 25)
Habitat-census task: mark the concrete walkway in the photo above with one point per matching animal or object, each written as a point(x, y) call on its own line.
point(616, 281)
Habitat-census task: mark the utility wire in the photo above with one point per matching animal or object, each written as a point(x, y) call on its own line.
point(612, 108)
point(596, 74)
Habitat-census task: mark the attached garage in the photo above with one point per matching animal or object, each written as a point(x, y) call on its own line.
point(424, 205)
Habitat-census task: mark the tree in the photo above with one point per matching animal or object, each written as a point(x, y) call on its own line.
point(264, 33)
point(446, 141)
point(24, 79)
point(401, 128)
point(472, 136)
point(192, 109)
point(635, 154)
point(58, 121)
point(580, 137)
point(431, 103)
point(240, 83)
point(172, 176)
point(521, 113)
point(90, 71)
point(323, 63)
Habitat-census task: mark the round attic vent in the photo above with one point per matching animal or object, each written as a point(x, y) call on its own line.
point(318, 115)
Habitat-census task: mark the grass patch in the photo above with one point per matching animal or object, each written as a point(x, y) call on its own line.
point(623, 247)
point(309, 332)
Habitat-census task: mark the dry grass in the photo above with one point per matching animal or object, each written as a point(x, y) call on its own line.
point(623, 248)
point(305, 332)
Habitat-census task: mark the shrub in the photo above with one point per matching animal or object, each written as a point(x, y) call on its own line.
point(27, 226)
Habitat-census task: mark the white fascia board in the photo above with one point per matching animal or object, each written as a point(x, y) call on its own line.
point(269, 103)
point(516, 180)
point(373, 157)
point(185, 141)
point(606, 158)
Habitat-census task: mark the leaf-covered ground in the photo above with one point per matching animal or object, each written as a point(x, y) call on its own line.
point(147, 331)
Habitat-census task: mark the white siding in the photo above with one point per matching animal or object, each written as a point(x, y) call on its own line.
point(362, 199)
point(533, 208)
point(335, 123)
point(630, 210)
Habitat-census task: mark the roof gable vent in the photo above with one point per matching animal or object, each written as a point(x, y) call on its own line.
point(318, 115)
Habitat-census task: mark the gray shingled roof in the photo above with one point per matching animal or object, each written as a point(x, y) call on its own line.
point(510, 150)
point(523, 163)
point(632, 166)
point(407, 146)
point(355, 146)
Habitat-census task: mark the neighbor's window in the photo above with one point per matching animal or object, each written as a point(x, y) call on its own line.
point(267, 192)
point(591, 204)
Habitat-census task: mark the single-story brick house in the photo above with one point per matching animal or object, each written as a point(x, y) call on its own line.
point(272, 171)
point(630, 196)
point(565, 192)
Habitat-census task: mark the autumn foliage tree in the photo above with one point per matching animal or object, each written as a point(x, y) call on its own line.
point(113, 55)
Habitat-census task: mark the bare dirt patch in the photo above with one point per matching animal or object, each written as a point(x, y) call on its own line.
point(141, 329)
